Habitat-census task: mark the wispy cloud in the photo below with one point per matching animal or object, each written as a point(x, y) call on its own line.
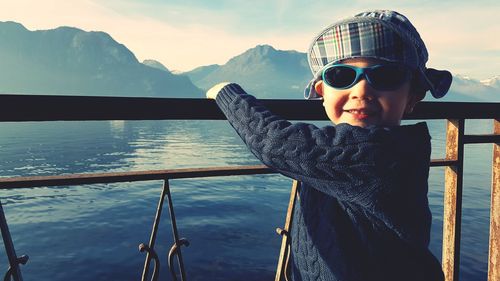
point(463, 38)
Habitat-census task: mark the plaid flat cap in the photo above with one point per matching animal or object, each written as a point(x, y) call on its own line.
point(380, 34)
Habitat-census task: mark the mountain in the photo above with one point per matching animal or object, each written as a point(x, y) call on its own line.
point(201, 72)
point(71, 61)
point(270, 73)
point(492, 82)
point(262, 70)
point(466, 89)
point(155, 64)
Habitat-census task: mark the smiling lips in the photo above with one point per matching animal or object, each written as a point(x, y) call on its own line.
point(361, 113)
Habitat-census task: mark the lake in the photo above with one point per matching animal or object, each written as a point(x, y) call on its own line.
point(92, 232)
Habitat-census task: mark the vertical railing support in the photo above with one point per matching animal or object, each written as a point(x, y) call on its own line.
point(14, 270)
point(178, 242)
point(175, 250)
point(453, 199)
point(152, 239)
point(281, 271)
point(494, 251)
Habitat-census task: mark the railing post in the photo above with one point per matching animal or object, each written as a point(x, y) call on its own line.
point(281, 271)
point(494, 252)
point(150, 253)
point(14, 270)
point(453, 199)
point(175, 250)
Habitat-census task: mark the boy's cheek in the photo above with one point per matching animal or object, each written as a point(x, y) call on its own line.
point(333, 114)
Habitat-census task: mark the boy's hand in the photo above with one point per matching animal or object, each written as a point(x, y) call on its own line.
point(212, 92)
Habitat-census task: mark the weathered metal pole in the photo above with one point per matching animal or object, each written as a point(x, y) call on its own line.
point(281, 271)
point(14, 270)
point(494, 252)
point(453, 199)
point(178, 242)
point(152, 239)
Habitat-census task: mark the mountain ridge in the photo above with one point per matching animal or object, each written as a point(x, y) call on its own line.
point(289, 74)
point(263, 70)
point(68, 60)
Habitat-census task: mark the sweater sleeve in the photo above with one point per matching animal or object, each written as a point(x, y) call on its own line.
point(348, 162)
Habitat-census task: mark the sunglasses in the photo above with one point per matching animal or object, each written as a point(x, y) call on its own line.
point(382, 77)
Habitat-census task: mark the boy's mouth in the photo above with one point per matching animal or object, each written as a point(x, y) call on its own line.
point(360, 113)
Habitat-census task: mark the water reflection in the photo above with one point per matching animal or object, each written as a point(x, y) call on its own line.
point(92, 232)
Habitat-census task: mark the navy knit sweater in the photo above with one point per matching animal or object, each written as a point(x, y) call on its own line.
point(362, 210)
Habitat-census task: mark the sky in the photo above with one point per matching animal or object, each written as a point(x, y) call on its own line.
point(461, 36)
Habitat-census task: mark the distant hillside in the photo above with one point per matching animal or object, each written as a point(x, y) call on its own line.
point(492, 82)
point(467, 89)
point(71, 61)
point(269, 73)
point(155, 64)
point(263, 71)
point(198, 74)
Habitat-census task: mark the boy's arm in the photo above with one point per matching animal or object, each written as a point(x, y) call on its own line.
point(343, 161)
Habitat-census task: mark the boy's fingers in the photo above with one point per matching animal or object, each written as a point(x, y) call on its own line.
point(212, 92)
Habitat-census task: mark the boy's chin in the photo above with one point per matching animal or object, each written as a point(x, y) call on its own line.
point(364, 124)
point(358, 123)
point(367, 122)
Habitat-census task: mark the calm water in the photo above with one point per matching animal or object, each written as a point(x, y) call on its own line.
point(92, 232)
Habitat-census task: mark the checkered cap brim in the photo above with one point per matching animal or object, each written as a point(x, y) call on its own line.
point(384, 35)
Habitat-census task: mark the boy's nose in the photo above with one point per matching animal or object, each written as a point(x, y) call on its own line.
point(362, 90)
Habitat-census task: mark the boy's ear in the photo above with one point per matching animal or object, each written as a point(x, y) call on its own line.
point(318, 87)
point(413, 100)
point(417, 93)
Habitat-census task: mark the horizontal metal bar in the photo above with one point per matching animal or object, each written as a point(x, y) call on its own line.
point(79, 179)
point(443, 162)
point(487, 138)
point(82, 108)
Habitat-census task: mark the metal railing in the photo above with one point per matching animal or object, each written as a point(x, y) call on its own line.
point(165, 175)
point(18, 108)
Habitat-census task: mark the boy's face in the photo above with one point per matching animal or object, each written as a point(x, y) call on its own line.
point(361, 105)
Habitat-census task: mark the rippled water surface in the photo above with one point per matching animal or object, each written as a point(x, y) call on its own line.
point(92, 232)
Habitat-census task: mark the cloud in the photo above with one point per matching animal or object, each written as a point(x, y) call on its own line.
point(54, 13)
point(463, 38)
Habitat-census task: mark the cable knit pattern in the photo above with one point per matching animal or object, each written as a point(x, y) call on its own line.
point(362, 211)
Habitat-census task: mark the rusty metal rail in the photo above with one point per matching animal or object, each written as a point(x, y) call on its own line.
point(165, 175)
point(78, 179)
point(83, 179)
point(18, 108)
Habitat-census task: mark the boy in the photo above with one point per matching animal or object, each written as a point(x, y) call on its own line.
point(362, 212)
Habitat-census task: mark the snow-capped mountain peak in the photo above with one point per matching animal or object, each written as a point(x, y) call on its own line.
point(492, 82)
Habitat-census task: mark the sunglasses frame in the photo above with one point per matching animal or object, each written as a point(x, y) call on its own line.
point(365, 72)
